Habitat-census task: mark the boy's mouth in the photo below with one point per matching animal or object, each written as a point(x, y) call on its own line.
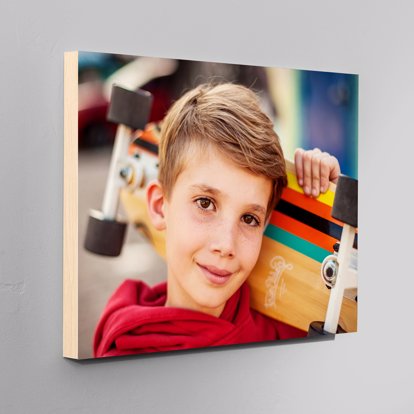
point(214, 274)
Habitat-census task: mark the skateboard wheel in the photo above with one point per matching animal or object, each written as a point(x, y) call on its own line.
point(104, 237)
point(130, 108)
point(345, 206)
point(329, 270)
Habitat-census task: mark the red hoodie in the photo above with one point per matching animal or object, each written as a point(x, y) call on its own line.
point(136, 321)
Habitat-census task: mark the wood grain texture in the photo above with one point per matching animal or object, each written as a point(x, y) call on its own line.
point(70, 209)
point(287, 286)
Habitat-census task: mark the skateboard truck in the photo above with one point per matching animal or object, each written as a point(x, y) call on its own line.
point(339, 271)
point(105, 233)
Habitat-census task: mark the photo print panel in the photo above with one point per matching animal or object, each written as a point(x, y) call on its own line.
point(206, 204)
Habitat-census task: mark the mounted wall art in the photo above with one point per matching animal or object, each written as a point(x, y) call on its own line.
point(206, 204)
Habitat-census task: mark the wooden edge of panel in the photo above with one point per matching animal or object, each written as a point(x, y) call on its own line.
point(70, 207)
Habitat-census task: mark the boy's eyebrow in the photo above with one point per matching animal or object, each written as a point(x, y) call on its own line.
point(258, 209)
point(215, 191)
point(205, 189)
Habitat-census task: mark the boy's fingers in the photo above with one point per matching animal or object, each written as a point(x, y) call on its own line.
point(335, 169)
point(299, 165)
point(307, 172)
point(316, 178)
point(325, 170)
point(330, 171)
point(314, 170)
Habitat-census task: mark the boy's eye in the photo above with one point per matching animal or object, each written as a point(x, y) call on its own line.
point(205, 203)
point(250, 220)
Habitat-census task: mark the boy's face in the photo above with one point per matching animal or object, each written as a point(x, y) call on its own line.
point(214, 222)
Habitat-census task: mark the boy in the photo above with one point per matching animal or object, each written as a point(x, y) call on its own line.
point(221, 173)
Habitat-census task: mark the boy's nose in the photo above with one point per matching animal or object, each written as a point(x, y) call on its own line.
point(223, 240)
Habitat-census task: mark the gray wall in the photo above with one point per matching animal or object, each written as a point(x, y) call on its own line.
point(367, 372)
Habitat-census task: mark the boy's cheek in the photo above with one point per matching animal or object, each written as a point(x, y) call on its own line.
point(251, 251)
point(193, 222)
point(185, 230)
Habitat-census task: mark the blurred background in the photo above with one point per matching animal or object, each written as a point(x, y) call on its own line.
point(309, 109)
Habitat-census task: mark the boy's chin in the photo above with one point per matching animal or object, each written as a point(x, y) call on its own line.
point(214, 301)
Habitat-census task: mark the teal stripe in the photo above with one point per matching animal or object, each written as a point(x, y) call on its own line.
point(296, 243)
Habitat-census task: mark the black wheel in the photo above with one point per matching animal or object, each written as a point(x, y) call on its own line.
point(345, 206)
point(104, 237)
point(130, 108)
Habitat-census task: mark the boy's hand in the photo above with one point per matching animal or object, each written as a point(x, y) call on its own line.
point(314, 170)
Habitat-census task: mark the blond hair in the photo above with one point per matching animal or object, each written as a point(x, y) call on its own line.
point(229, 117)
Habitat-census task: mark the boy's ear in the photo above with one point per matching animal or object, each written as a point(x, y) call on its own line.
point(155, 204)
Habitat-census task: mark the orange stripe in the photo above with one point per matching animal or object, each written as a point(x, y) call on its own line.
point(309, 204)
point(302, 230)
point(150, 134)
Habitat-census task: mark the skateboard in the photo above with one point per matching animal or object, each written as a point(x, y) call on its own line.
point(304, 252)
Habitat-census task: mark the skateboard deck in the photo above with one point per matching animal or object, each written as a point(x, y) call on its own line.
point(286, 283)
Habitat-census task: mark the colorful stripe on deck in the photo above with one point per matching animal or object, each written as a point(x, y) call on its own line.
point(146, 145)
point(302, 230)
point(303, 216)
point(310, 204)
point(148, 139)
point(308, 219)
point(296, 243)
point(326, 198)
point(304, 224)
